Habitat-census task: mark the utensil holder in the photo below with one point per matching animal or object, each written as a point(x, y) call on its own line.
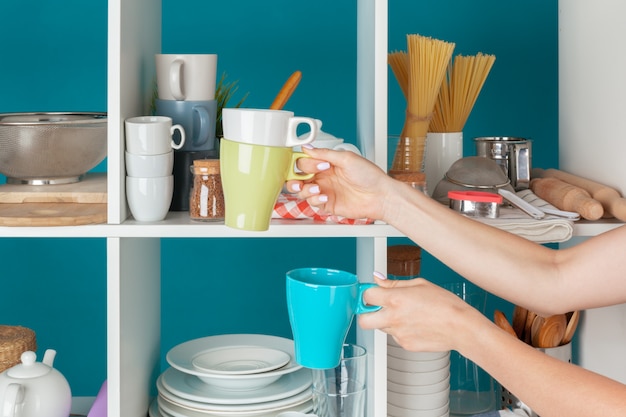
point(508, 400)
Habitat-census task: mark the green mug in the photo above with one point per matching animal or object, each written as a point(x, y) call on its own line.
point(252, 178)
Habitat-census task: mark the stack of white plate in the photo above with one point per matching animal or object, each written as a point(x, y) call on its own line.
point(234, 375)
point(418, 383)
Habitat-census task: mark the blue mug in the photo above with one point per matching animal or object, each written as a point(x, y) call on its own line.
point(322, 304)
point(196, 117)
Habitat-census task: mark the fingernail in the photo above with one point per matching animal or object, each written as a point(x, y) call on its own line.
point(379, 275)
point(323, 198)
point(322, 166)
point(296, 187)
point(314, 189)
point(308, 146)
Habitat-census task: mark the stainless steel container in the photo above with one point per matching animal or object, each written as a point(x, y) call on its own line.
point(513, 155)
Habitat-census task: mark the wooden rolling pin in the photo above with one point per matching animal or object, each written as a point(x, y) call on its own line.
point(613, 203)
point(567, 197)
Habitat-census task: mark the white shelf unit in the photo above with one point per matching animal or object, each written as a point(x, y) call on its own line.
point(133, 248)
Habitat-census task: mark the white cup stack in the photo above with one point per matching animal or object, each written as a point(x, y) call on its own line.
point(149, 159)
point(418, 383)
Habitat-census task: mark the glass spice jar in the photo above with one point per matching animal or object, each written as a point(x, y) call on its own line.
point(206, 198)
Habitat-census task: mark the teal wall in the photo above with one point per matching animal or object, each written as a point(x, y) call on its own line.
point(54, 59)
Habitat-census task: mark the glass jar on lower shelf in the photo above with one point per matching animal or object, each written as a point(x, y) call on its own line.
point(206, 199)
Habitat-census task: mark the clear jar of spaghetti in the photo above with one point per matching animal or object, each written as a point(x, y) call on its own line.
point(206, 198)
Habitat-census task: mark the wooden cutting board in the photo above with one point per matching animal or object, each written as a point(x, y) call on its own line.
point(80, 203)
point(52, 214)
point(92, 189)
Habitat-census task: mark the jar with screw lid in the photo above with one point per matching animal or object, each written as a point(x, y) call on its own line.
point(206, 199)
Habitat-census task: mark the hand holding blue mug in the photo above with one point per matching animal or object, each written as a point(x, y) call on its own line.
point(322, 304)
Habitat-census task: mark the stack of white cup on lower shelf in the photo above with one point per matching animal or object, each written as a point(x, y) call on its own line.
point(418, 383)
point(149, 161)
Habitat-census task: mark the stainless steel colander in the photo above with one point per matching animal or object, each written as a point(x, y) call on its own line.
point(51, 148)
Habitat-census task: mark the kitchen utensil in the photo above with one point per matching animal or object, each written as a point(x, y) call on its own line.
point(528, 333)
point(502, 322)
point(52, 214)
point(51, 148)
point(472, 173)
point(523, 205)
point(461, 86)
point(611, 200)
point(240, 360)
point(512, 154)
point(567, 197)
point(475, 203)
point(519, 321)
point(572, 323)
point(35, 389)
point(91, 189)
point(428, 60)
point(549, 331)
point(286, 91)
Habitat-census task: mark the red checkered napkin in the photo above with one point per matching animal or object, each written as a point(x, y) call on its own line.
point(290, 207)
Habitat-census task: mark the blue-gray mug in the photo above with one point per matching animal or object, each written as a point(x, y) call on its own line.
point(196, 117)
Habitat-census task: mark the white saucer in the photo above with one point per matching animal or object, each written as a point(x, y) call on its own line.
point(180, 385)
point(168, 409)
point(240, 360)
point(181, 356)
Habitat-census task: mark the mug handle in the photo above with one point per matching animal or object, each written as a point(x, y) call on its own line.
point(176, 79)
point(181, 130)
point(205, 122)
point(292, 174)
point(362, 307)
point(292, 133)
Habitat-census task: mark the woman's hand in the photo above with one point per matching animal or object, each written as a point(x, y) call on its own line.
point(345, 184)
point(420, 316)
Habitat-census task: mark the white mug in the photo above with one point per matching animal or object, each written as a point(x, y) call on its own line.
point(152, 135)
point(188, 77)
point(266, 127)
point(149, 199)
point(159, 165)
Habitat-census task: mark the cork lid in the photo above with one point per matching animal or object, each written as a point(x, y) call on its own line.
point(206, 166)
point(404, 260)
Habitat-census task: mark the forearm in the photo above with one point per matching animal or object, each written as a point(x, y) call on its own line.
point(549, 386)
point(502, 263)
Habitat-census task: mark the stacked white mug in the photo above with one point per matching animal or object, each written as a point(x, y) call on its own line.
point(186, 87)
point(418, 383)
point(149, 161)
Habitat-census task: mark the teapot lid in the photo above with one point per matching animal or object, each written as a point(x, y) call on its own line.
point(29, 368)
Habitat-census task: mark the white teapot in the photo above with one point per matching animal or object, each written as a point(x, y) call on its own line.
point(34, 389)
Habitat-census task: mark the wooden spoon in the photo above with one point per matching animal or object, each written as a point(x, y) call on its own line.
point(528, 333)
point(286, 91)
point(551, 332)
point(501, 321)
point(571, 327)
point(535, 329)
point(519, 321)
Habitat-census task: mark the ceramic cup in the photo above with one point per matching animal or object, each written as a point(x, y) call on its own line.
point(149, 198)
point(267, 127)
point(152, 135)
point(160, 165)
point(341, 391)
point(322, 304)
point(252, 178)
point(197, 119)
point(186, 76)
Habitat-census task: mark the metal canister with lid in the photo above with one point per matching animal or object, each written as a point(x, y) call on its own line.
point(206, 199)
point(513, 155)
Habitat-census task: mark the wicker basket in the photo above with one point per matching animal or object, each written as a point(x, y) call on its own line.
point(14, 340)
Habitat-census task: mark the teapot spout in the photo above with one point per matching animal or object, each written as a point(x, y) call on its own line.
point(48, 357)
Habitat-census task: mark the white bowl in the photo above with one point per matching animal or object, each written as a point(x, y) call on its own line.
point(432, 401)
point(240, 360)
point(398, 352)
point(417, 378)
point(160, 165)
point(395, 411)
point(417, 366)
point(444, 384)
